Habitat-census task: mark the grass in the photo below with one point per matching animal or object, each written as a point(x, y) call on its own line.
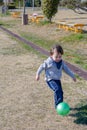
point(70, 43)
point(12, 50)
point(37, 40)
point(45, 22)
point(23, 48)
point(8, 24)
point(4, 14)
point(74, 38)
point(71, 55)
point(33, 106)
point(77, 59)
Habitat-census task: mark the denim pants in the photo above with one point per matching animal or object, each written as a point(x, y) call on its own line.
point(55, 85)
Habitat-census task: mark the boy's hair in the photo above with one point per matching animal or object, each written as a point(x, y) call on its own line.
point(58, 48)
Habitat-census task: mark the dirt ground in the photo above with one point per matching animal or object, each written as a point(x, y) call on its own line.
point(26, 104)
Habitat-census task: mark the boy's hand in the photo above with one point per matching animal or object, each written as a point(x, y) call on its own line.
point(74, 79)
point(37, 77)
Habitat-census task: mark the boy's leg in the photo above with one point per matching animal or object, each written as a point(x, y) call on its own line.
point(55, 85)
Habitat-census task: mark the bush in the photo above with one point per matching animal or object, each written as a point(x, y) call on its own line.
point(11, 5)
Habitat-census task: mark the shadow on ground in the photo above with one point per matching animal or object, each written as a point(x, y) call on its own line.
point(80, 112)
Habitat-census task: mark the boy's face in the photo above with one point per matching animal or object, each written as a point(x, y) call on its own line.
point(56, 56)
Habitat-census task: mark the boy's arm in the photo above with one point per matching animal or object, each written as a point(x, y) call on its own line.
point(68, 71)
point(40, 69)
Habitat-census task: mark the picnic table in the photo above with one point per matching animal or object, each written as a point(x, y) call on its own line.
point(36, 18)
point(16, 14)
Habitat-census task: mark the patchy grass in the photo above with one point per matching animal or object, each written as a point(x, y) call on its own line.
point(73, 56)
point(9, 24)
point(44, 22)
point(74, 38)
point(5, 14)
point(23, 48)
point(74, 44)
point(46, 44)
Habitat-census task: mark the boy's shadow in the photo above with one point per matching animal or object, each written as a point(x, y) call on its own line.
point(80, 114)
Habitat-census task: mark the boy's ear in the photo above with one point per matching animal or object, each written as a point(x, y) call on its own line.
point(51, 51)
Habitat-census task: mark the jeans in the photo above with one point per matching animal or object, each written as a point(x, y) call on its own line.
point(55, 85)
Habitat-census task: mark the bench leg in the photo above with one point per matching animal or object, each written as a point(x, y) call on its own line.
point(60, 26)
point(78, 30)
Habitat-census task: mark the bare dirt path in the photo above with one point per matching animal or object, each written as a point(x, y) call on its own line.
point(26, 104)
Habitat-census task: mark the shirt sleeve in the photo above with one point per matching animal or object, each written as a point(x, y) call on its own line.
point(41, 68)
point(68, 71)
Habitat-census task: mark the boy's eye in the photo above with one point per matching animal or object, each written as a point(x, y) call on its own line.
point(58, 57)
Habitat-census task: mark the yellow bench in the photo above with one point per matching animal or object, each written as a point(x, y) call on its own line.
point(61, 24)
point(75, 27)
point(16, 14)
point(37, 19)
point(71, 26)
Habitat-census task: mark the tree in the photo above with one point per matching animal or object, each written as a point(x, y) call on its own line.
point(84, 3)
point(49, 8)
point(78, 6)
point(1, 2)
point(71, 4)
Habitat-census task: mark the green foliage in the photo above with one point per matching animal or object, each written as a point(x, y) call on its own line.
point(37, 3)
point(29, 3)
point(49, 8)
point(63, 2)
point(71, 4)
point(84, 3)
point(17, 2)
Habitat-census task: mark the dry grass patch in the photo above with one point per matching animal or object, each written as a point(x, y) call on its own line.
point(28, 105)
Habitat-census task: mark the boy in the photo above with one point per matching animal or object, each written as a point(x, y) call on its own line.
point(53, 67)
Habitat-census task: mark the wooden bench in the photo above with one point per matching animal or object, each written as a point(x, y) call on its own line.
point(16, 14)
point(75, 27)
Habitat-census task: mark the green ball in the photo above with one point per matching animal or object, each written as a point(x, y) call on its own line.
point(63, 109)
